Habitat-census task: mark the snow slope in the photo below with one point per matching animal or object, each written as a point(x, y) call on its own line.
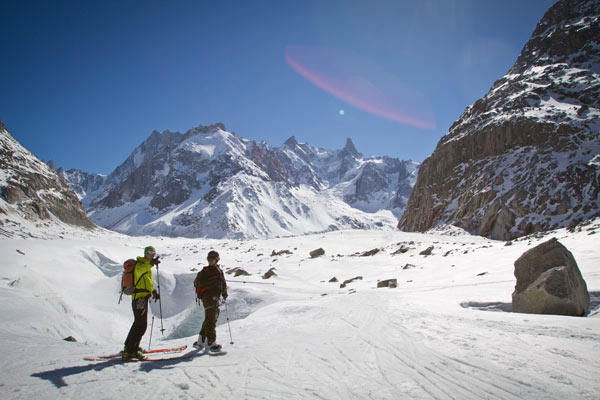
point(446, 331)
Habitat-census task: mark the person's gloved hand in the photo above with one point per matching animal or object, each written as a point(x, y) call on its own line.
point(155, 295)
point(155, 261)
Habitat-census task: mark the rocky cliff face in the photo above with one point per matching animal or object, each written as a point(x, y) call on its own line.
point(526, 157)
point(31, 190)
point(211, 183)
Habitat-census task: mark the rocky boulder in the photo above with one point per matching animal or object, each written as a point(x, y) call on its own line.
point(237, 272)
point(347, 281)
point(317, 253)
point(391, 283)
point(270, 273)
point(549, 282)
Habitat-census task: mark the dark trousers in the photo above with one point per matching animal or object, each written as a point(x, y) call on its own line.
point(140, 323)
point(211, 314)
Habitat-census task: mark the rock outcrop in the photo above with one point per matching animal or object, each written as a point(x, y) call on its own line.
point(549, 282)
point(32, 190)
point(526, 157)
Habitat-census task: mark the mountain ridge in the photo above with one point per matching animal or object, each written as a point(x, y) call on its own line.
point(208, 182)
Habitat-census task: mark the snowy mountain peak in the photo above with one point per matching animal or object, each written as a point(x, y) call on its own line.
point(210, 182)
point(213, 143)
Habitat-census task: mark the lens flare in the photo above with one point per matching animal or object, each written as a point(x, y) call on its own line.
point(359, 82)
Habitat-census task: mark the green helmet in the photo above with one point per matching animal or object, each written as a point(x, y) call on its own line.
point(149, 249)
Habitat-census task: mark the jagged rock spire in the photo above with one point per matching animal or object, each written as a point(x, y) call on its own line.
point(350, 148)
point(291, 142)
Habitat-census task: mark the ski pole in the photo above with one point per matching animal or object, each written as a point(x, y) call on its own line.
point(151, 328)
point(228, 324)
point(256, 283)
point(162, 329)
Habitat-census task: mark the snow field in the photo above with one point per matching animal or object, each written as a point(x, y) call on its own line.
point(304, 337)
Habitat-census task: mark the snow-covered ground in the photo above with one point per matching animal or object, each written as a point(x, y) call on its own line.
point(446, 331)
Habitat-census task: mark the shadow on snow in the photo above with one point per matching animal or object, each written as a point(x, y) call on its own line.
point(57, 376)
point(507, 307)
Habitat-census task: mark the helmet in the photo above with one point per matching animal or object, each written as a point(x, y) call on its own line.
point(149, 249)
point(213, 254)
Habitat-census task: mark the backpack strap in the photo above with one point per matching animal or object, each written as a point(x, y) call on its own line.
point(136, 290)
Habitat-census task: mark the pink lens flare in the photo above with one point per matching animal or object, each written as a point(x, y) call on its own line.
point(360, 82)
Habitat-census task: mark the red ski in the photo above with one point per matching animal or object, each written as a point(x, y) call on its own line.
point(120, 354)
point(179, 357)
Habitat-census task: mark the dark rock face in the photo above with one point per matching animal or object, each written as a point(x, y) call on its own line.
point(370, 180)
point(33, 190)
point(526, 157)
point(549, 282)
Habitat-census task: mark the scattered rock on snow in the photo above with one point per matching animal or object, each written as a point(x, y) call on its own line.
point(549, 282)
point(318, 252)
point(427, 251)
point(409, 266)
point(334, 279)
point(237, 271)
point(403, 249)
point(347, 281)
point(269, 273)
point(370, 253)
point(278, 253)
point(391, 283)
point(70, 339)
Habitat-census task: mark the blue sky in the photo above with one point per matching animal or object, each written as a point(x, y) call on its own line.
point(85, 82)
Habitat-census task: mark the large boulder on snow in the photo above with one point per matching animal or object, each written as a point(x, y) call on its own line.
point(549, 282)
point(317, 253)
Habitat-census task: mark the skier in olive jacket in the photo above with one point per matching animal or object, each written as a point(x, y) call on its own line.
point(210, 286)
point(144, 288)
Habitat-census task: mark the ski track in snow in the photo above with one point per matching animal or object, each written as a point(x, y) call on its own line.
point(303, 338)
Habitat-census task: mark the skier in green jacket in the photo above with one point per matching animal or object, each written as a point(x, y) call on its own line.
point(144, 288)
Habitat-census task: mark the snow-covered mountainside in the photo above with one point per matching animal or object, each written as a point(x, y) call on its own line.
point(31, 193)
point(445, 332)
point(212, 183)
point(526, 157)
